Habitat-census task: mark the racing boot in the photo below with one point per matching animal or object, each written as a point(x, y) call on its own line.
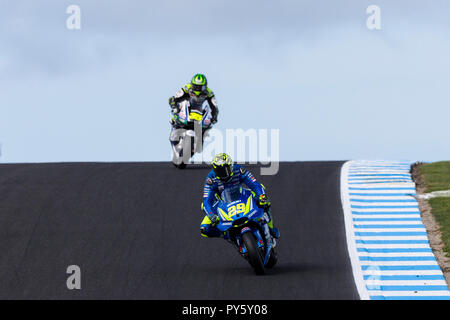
point(210, 232)
point(208, 229)
point(264, 202)
point(273, 231)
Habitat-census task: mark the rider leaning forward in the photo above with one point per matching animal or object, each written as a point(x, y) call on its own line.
point(227, 175)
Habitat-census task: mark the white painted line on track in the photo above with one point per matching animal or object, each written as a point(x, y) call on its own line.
point(356, 264)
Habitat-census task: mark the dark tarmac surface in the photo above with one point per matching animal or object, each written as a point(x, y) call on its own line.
point(133, 229)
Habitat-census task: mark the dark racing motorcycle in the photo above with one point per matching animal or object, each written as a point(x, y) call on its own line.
point(244, 224)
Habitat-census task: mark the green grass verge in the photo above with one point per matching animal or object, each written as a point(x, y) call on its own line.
point(440, 207)
point(437, 175)
point(437, 178)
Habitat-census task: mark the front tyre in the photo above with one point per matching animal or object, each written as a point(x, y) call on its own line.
point(180, 166)
point(273, 258)
point(177, 159)
point(177, 162)
point(253, 253)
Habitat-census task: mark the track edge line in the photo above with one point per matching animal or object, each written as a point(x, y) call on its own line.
point(351, 243)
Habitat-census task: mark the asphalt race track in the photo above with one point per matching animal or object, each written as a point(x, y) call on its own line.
point(133, 229)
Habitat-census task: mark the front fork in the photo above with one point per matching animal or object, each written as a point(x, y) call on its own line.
point(264, 244)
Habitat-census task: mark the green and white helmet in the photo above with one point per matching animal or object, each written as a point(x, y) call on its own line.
point(199, 84)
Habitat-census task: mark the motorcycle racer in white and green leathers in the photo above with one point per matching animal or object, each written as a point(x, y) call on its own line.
point(198, 90)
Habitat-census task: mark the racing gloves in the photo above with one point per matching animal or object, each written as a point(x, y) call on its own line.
point(172, 102)
point(263, 201)
point(214, 218)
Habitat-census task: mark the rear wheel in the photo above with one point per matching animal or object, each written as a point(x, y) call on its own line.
point(253, 253)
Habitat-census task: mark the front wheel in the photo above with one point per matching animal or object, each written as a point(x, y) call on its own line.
point(273, 258)
point(177, 158)
point(253, 253)
point(177, 162)
point(180, 166)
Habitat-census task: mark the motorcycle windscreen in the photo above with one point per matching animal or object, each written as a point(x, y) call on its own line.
point(231, 194)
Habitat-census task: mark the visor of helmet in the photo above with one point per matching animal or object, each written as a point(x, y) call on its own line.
point(199, 89)
point(223, 172)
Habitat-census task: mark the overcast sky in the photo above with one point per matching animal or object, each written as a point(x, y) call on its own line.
point(312, 69)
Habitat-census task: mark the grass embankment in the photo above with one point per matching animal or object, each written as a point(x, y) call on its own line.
point(437, 178)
